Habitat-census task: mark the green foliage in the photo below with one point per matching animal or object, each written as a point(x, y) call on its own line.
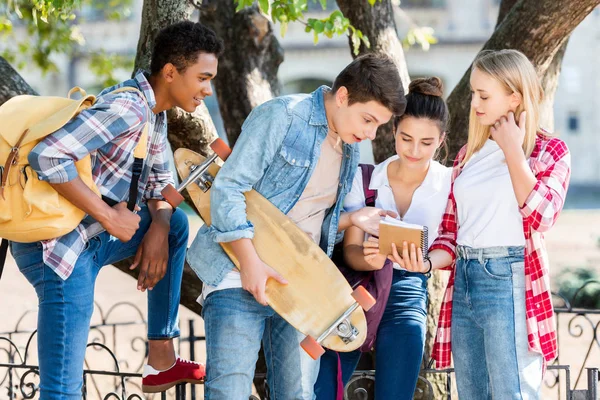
point(419, 35)
point(336, 24)
point(48, 27)
point(571, 280)
point(286, 11)
point(104, 66)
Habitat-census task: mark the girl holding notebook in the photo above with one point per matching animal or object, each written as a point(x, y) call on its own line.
point(416, 186)
point(508, 187)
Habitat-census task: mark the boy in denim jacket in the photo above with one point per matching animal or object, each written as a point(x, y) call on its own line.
point(301, 153)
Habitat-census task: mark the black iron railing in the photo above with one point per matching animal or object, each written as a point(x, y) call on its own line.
point(120, 376)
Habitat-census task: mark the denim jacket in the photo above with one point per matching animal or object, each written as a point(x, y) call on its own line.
point(275, 154)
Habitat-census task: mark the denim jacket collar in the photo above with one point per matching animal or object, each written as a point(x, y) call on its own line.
point(318, 115)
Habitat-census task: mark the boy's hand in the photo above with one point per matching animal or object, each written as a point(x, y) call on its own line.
point(255, 274)
point(122, 223)
point(152, 256)
point(371, 253)
point(367, 219)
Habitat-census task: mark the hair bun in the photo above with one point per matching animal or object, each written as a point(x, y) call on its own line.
point(428, 86)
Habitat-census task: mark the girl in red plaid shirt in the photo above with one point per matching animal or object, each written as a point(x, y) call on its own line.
point(508, 187)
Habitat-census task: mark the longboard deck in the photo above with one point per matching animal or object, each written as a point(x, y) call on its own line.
point(316, 293)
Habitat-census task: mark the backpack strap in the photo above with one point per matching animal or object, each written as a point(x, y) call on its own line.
point(3, 251)
point(139, 155)
point(370, 194)
point(10, 161)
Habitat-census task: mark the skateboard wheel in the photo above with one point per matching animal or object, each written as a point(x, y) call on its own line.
point(363, 298)
point(172, 196)
point(312, 347)
point(221, 149)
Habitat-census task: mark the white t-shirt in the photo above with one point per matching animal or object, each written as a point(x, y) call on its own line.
point(487, 209)
point(428, 202)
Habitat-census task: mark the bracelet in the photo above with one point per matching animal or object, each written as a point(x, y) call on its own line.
point(430, 267)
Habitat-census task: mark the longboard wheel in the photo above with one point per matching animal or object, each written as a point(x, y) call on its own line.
point(221, 149)
point(172, 196)
point(363, 298)
point(312, 347)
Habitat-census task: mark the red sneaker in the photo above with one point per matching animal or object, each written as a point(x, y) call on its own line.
point(154, 381)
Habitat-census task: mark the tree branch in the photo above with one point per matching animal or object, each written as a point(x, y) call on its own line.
point(12, 83)
point(538, 28)
point(248, 68)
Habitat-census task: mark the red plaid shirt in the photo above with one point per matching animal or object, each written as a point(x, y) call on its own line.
point(551, 164)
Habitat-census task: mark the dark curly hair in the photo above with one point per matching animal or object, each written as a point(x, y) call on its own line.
point(180, 44)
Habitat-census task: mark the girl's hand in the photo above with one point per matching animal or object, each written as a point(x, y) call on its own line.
point(411, 260)
point(371, 253)
point(508, 134)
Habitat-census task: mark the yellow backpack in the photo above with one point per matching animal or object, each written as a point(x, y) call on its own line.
point(30, 209)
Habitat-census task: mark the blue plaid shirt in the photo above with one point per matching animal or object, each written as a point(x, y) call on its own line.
point(109, 132)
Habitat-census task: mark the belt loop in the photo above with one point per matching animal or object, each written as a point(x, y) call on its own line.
point(480, 255)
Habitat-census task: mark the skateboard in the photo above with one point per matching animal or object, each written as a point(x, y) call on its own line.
point(317, 301)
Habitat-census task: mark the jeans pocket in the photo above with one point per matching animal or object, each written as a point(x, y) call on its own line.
point(19, 250)
point(518, 274)
point(34, 274)
point(498, 268)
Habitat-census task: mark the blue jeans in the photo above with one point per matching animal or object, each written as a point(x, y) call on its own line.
point(398, 347)
point(489, 334)
point(235, 324)
point(66, 306)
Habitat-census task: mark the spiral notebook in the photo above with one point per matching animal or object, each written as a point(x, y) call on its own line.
point(393, 230)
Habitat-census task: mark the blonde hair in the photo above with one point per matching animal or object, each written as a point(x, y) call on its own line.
point(516, 73)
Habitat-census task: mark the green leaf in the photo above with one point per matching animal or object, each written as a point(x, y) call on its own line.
point(355, 43)
point(323, 4)
point(366, 42)
point(284, 26)
point(240, 5)
point(316, 38)
point(372, 2)
point(319, 26)
point(264, 6)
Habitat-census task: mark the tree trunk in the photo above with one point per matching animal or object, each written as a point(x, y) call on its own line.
point(540, 30)
point(157, 14)
point(550, 84)
point(377, 23)
point(505, 8)
point(194, 131)
point(550, 78)
point(248, 68)
point(11, 83)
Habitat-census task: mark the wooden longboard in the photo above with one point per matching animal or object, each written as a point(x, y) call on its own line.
point(317, 294)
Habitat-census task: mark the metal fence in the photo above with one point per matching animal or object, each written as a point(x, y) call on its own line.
point(123, 347)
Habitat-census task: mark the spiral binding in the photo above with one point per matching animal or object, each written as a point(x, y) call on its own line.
point(425, 241)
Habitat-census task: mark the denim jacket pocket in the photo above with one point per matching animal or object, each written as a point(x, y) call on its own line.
point(288, 167)
point(498, 268)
